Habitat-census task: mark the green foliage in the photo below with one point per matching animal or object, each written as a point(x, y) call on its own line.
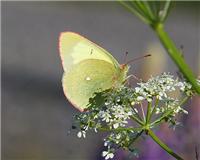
point(154, 13)
point(151, 12)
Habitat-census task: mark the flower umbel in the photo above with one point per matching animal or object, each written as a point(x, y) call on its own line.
point(121, 105)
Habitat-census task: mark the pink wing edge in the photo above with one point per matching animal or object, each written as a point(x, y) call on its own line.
point(81, 110)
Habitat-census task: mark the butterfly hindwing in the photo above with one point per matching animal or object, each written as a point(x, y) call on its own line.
point(85, 78)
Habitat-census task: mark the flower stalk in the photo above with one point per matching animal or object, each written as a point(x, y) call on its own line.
point(154, 14)
point(163, 145)
point(118, 108)
point(154, 137)
point(148, 116)
point(175, 55)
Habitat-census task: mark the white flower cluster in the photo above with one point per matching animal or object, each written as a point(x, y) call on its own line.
point(81, 134)
point(109, 154)
point(120, 139)
point(117, 107)
point(187, 87)
point(158, 87)
point(172, 105)
point(115, 115)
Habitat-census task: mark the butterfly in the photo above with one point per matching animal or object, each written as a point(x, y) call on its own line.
point(87, 69)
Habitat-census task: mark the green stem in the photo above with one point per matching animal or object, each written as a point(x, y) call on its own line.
point(162, 117)
point(164, 146)
point(165, 11)
point(132, 10)
point(148, 115)
point(149, 10)
point(137, 120)
point(145, 9)
point(143, 114)
point(176, 56)
point(154, 108)
point(185, 99)
point(121, 129)
point(138, 116)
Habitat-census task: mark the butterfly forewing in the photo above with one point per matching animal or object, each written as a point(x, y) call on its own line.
point(75, 48)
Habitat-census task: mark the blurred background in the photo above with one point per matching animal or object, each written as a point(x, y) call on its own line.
point(36, 118)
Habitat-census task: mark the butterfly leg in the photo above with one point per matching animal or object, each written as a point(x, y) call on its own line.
point(132, 76)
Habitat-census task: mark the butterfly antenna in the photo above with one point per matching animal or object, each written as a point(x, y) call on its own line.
point(125, 57)
point(138, 58)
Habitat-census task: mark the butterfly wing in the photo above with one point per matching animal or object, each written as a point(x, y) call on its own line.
point(74, 48)
point(85, 78)
point(87, 68)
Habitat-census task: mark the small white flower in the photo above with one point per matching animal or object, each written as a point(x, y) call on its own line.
point(104, 153)
point(159, 97)
point(107, 155)
point(149, 99)
point(84, 134)
point(106, 103)
point(110, 155)
point(168, 87)
point(118, 99)
point(135, 109)
point(157, 110)
point(85, 128)
point(184, 111)
point(105, 116)
point(130, 113)
point(81, 134)
point(132, 103)
point(116, 125)
point(106, 143)
point(140, 98)
point(118, 136)
point(161, 94)
point(137, 89)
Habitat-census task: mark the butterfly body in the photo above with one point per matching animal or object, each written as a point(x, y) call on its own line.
point(88, 68)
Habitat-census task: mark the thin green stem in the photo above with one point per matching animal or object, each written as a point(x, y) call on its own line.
point(138, 116)
point(143, 114)
point(148, 115)
point(132, 10)
point(164, 146)
point(168, 112)
point(167, 42)
point(176, 56)
point(162, 117)
point(121, 129)
point(138, 8)
point(165, 11)
point(155, 106)
point(149, 10)
point(143, 9)
point(185, 99)
point(137, 120)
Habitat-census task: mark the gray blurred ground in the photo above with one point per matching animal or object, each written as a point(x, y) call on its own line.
point(36, 116)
